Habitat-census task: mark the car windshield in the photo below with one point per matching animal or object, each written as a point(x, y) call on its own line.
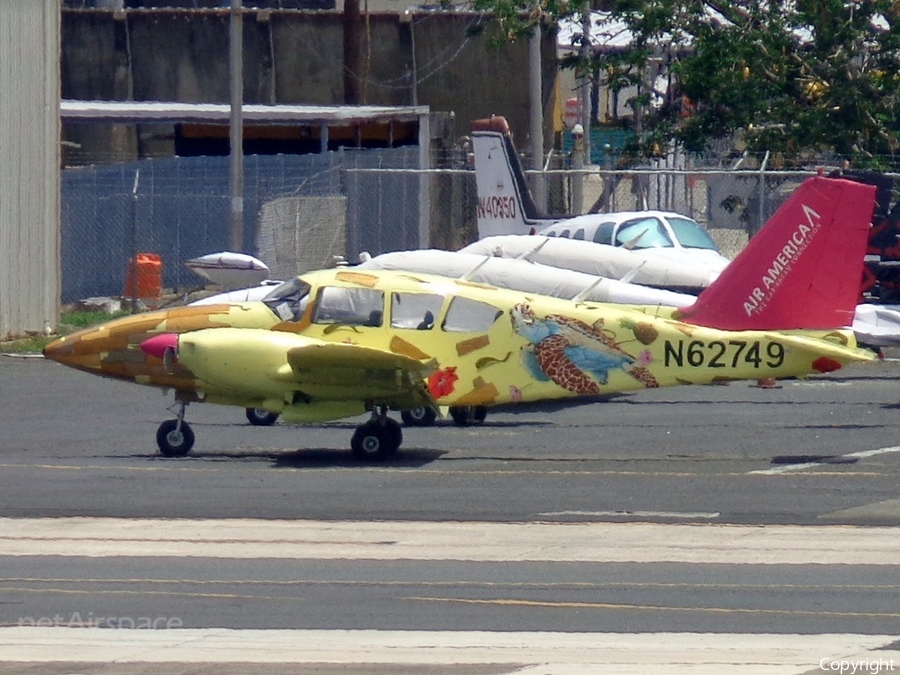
point(288, 300)
point(691, 234)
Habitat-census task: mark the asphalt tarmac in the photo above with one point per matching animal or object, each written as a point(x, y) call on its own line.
point(822, 450)
point(707, 519)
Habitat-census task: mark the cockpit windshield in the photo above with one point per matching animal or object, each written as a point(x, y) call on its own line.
point(288, 300)
point(646, 232)
point(691, 234)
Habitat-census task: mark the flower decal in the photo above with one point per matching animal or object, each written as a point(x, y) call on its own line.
point(823, 364)
point(442, 382)
point(515, 394)
point(645, 358)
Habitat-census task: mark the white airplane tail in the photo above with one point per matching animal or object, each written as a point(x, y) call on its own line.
point(505, 205)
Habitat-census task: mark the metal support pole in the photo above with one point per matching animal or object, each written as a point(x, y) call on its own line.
point(236, 122)
point(577, 168)
point(761, 215)
point(132, 265)
point(536, 115)
point(584, 86)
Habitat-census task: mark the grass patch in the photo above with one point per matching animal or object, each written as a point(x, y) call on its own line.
point(27, 345)
point(68, 323)
point(80, 319)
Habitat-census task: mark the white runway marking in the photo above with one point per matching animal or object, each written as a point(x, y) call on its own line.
point(471, 541)
point(808, 465)
point(681, 515)
point(546, 653)
point(384, 652)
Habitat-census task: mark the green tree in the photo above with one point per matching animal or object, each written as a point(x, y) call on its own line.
point(798, 78)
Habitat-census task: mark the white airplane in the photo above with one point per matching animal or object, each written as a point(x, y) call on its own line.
point(602, 260)
point(673, 241)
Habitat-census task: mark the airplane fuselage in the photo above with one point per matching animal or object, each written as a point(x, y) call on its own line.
point(489, 346)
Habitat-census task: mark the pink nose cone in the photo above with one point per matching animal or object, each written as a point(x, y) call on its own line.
point(158, 344)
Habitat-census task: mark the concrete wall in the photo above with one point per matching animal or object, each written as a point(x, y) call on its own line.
point(427, 58)
point(29, 155)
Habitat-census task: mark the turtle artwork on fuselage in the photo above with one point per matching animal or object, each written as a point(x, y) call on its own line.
point(575, 355)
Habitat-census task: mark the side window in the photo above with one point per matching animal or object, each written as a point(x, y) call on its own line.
point(415, 311)
point(564, 233)
point(470, 316)
point(289, 300)
point(579, 233)
point(604, 233)
point(349, 306)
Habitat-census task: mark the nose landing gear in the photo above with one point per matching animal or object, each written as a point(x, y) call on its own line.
point(175, 437)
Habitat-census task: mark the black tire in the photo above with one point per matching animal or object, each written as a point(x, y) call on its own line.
point(395, 430)
point(376, 440)
point(260, 417)
point(419, 417)
point(468, 415)
point(173, 443)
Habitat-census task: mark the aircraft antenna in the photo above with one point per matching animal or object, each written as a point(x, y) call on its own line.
point(633, 273)
point(583, 294)
point(526, 255)
point(468, 275)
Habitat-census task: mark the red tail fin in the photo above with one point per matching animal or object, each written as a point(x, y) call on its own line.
point(802, 270)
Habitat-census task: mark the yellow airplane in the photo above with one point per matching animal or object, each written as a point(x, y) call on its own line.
point(337, 343)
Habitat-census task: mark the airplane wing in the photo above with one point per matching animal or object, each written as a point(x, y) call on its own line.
point(345, 372)
point(269, 364)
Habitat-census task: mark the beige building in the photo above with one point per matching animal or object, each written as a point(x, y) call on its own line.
point(29, 155)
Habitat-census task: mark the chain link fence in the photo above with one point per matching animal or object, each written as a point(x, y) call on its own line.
point(304, 211)
point(732, 205)
point(179, 208)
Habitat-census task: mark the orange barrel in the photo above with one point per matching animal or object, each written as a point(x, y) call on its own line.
point(144, 278)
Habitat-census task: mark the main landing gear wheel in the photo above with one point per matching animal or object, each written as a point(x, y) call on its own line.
point(418, 417)
point(468, 415)
point(377, 439)
point(260, 417)
point(174, 438)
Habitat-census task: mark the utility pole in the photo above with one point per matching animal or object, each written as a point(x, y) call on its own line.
point(352, 49)
point(236, 124)
point(536, 114)
point(584, 87)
